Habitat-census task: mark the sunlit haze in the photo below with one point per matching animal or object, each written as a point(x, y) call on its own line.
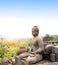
point(17, 17)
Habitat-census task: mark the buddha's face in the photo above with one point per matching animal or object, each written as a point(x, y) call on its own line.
point(34, 32)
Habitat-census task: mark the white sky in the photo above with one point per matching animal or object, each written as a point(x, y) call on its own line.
point(20, 27)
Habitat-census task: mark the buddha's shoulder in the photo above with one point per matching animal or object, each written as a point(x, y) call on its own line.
point(39, 38)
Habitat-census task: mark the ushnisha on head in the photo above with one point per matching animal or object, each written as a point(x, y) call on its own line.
point(35, 31)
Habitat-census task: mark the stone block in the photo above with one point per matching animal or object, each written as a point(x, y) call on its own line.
point(55, 49)
point(52, 56)
point(57, 57)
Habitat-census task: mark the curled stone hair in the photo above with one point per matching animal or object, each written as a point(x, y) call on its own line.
point(35, 28)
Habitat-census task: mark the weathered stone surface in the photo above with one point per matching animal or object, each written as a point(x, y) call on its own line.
point(12, 61)
point(5, 61)
point(19, 61)
point(52, 56)
point(57, 57)
point(9, 64)
point(50, 63)
point(20, 50)
point(55, 49)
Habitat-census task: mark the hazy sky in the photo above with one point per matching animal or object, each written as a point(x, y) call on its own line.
point(17, 17)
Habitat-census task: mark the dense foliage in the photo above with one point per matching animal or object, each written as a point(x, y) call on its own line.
point(54, 37)
point(8, 48)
